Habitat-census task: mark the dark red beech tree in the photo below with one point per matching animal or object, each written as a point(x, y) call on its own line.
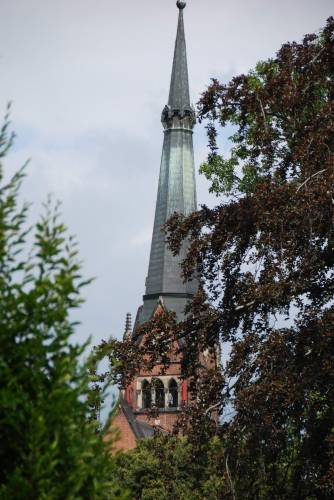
point(265, 257)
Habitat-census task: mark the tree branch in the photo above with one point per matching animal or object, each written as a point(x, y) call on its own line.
point(243, 306)
point(212, 407)
point(230, 478)
point(263, 113)
point(309, 178)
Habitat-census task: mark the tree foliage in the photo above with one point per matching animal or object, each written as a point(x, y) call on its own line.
point(267, 260)
point(168, 467)
point(265, 256)
point(49, 448)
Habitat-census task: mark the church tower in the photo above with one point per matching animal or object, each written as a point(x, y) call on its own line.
point(165, 288)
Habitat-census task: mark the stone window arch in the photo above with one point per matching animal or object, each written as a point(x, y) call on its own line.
point(159, 393)
point(173, 393)
point(146, 394)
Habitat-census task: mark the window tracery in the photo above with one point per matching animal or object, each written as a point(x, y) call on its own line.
point(146, 394)
point(173, 394)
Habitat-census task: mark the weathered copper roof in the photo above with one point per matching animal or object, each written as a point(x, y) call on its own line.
point(176, 189)
point(179, 85)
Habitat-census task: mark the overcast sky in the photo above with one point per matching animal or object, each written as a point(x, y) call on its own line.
point(88, 80)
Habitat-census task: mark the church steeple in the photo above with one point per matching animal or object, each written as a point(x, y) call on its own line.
point(179, 84)
point(176, 189)
point(164, 284)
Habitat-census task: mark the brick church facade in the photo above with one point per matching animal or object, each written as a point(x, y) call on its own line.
point(165, 288)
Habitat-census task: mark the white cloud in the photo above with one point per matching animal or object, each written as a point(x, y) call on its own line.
point(143, 237)
point(88, 80)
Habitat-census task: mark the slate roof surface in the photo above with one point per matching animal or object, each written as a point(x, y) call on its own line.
point(140, 429)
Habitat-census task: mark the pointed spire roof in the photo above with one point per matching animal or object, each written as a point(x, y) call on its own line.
point(179, 84)
point(176, 190)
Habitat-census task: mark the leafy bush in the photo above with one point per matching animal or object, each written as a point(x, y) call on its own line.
point(49, 447)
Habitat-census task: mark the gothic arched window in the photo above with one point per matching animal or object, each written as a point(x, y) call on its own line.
point(146, 394)
point(159, 394)
point(173, 396)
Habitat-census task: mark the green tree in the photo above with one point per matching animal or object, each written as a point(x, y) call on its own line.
point(168, 468)
point(49, 447)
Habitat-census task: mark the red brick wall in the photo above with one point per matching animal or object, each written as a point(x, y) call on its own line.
point(164, 420)
point(127, 439)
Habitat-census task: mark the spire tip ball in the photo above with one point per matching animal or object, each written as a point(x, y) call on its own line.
point(180, 5)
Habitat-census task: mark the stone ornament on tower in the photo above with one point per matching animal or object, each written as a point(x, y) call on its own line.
point(128, 326)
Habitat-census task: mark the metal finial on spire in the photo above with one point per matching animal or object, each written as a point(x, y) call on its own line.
point(181, 5)
point(179, 85)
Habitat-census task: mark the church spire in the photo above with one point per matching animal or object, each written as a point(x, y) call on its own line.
point(179, 84)
point(176, 189)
